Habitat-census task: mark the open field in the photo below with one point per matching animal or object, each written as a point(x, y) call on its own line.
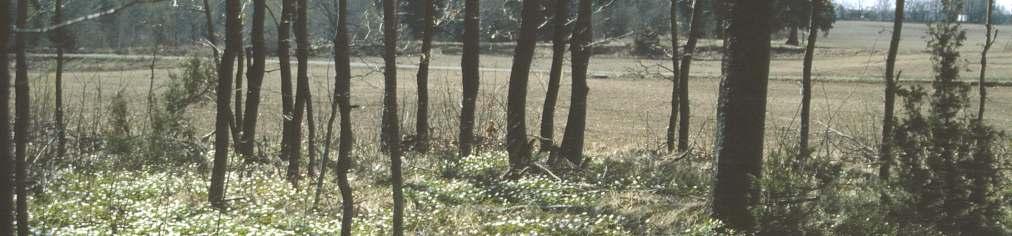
point(624, 112)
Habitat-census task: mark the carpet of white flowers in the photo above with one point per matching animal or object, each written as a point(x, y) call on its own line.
point(473, 202)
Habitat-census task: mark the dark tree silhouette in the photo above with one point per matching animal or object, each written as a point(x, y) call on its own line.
point(233, 46)
point(806, 77)
point(981, 85)
point(391, 126)
point(888, 119)
point(342, 98)
point(6, 166)
point(302, 88)
point(287, 93)
point(22, 117)
point(516, 102)
point(583, 35)
point(695, 31)
point(470, 76)
point(741, 113)
point(675, 69)
point(254, 79)
point(422, 118)
point(59, 37)
point(560, 36)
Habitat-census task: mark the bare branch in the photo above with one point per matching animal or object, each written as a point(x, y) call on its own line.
point(93, 16)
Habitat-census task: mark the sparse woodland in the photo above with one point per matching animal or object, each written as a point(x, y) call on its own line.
point(416, 117)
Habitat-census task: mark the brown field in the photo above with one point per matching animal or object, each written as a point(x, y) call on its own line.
point(625, 113)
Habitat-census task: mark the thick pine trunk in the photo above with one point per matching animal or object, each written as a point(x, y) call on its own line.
point(741, 114)
point(695, 31)
point(391, 123)
point(806, 79)
point(6, 167)
point(559, 40)
point(22, 118)
point(254, 80)
point(233, 46)
point(885, 150)
point(516, 102)
point(676, 72)
point(470, 76)
point(422, 117)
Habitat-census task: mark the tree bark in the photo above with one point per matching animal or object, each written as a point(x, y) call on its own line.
point(981, 85)
point(885, 149)
point(391, 123)
point(233, 46)
point(310, 136)
point(22, 118)
point(806, 79)
point(302, 88)
point(695, 31)
point(60, 45)
point(792, 36)
point(470, 75)
point(254, 80)
point(516, 101)
point(676, 72)
point(741, 113)
point(559, 39)
point(208, 16)
point(342, 98)
point(583, 35)
point(287, 93)
point(6, 166)
point(422, 117)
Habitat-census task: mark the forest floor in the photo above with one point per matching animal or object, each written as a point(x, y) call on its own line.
point(631, 187)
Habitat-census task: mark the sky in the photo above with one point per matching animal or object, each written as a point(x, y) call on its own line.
point(869, 3)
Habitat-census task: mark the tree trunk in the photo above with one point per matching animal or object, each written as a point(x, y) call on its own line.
point(806, 78)
point(559, 40)
point(676, 72)
point(208, 16)
point(516, 101)
point(233, 46)
point(741, 114)
point(59, 44)
point(22, 118)
point(287, 93)
point(302, 89)
point(792, 36)
point(583, 35)
point(342, 97)
point(6, 167)
point(981, 85)
point(254, 80)
point(885, 150)
point(422, 118)
point(391, 123)
point(237, 114)
point(310, 136)
point(695, 31)
point(470, 77)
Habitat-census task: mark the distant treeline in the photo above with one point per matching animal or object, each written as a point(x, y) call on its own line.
point(922, 11)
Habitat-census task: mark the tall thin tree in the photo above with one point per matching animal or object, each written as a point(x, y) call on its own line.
point(981, 85)
point(576, 125)
point(254, 80)
point(516, 102)
point(885, 154)
point(695, 31)
point(302, 87)
point(676, 72)
point(560, 36)
point(470, 78)
point(287, 93)
point(391, 126)
point(741, 113)
point(22, 117)
point(6, 166)
point(233, 46)
point(342, 98)
point(422, 116)
point(806, 78)
point(59, 37)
